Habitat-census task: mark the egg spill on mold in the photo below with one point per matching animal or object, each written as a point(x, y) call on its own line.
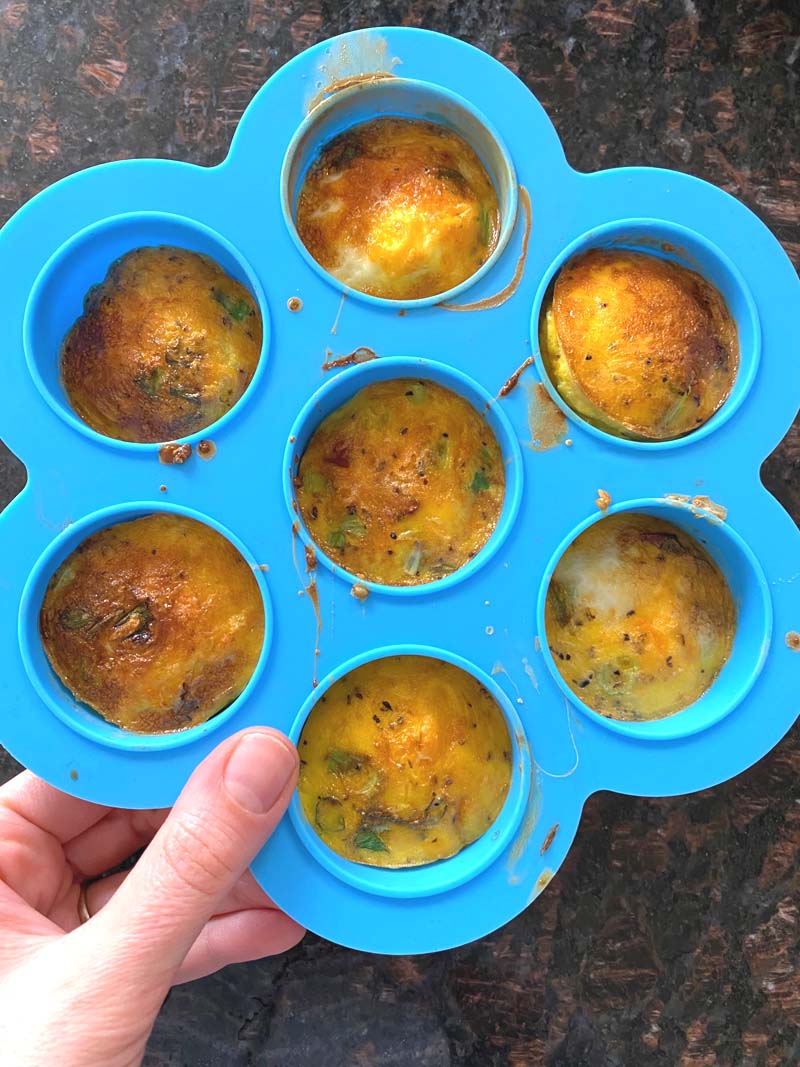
point(576, 764)
point(362, 61)
point(547, 422)
point(339, 310)
point(549, 839)
point(603, 501)
point(542, 882)
point(500, 669)
point(294, 303)
point(533, 810)
point(702, 507)
point(530, 673)
point(206, 449)
point(511, 383)
point(174, 453)
point(359, 592)
point(490, 302)
point(351, 62)
point(793, 641)
point(309, 589)
point(362, 354)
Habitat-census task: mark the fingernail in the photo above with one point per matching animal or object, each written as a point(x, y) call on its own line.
point(257, 771)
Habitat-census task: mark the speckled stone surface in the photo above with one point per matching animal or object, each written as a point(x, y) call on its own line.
point(670, 936)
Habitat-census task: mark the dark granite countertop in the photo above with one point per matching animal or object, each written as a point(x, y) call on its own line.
point(670, 936)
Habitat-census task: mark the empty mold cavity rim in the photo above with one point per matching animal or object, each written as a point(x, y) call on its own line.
point(402, 98)
point(56, 301)
point(441, 875)
point(688, 248)
point(753, 603)
point(48, 685)
point(345, 385)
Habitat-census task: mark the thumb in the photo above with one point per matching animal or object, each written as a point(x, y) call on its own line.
point(227, 810)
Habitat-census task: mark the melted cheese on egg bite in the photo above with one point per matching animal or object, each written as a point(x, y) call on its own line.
point(399, 208)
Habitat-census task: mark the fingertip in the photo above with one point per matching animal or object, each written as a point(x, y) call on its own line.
point(261, 765)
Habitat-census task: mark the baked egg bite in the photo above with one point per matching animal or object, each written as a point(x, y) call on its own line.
point(398, 208)
point(639, 619)
point(640, 346)
point(402, 484)
point(166, 344)
point(404, 761)
point(157, 623)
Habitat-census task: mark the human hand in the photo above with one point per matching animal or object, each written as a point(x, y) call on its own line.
point(84, 995)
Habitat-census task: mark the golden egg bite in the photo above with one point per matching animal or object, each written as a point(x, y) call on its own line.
point(404, 761)
point(639, 619)
point(403, 484)
point(399, 208)
point(640, 346)
point(166, 344)
point(157, 623)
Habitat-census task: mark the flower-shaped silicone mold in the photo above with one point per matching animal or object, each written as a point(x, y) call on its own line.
point(487, 619)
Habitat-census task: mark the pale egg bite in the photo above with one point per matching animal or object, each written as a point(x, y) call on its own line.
point(640, 346)
point(399, 208)
point(639, 619)
point(404, 761)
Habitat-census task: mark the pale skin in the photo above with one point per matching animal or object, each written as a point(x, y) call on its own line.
point(87, 994)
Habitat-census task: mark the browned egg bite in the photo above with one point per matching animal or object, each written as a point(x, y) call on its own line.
point(639, 619)
point(166, 344)
point(640, 346)
point(399, 208)
point(403, 484)
point(157, 623)
point(404, 761)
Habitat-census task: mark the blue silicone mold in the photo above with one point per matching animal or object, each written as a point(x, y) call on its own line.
point(488, 617)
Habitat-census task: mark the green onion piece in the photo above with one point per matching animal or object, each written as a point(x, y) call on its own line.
point(315, 482)
point(237, 308)
point(328, 815)
point(479, 482)
point(75, 618)
point(149, 383)
point(414, 560)
point(485, 224)
point(369, 840)
point(341, 762)
point(453, 175)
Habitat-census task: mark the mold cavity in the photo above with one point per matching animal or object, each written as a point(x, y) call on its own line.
point(400, 191)
point(403, 483)
point(646, 340)
point(639, 619)
point(405, 761)
point(658, 625)
point(148, 328)
point(155, 624)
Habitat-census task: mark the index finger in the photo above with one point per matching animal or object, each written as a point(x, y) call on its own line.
point(49, 809)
